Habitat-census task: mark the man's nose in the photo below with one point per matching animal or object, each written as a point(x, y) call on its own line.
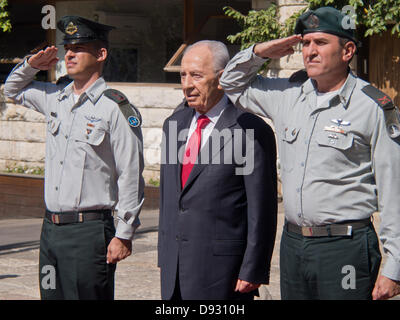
point(312, 48)
point(186, 82)
point(68, 54)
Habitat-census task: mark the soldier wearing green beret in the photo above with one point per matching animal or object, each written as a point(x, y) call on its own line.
point(338, 140)
point(94, 160)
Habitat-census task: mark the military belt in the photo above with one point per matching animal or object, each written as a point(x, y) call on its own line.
point(74, 217)
point(335, 229)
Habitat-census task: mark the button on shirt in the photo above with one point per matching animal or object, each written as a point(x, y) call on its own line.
point(93, 159)
point(337, 160)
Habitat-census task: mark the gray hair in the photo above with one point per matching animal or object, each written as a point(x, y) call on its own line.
point(218, 50)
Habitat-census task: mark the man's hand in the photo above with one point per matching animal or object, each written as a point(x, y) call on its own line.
point(118, 249)
point(278, 48)
point(244, 286)
point(44, 59)
point(385, 288)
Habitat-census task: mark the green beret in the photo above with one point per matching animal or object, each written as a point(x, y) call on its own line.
point(324, 19)
point(79, 30)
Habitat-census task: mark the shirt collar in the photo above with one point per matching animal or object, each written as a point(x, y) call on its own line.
point(347, 89)
point(215, 112)
point(94, 92)
point(344, 94)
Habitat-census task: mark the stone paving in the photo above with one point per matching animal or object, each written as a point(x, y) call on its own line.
point(137, 277)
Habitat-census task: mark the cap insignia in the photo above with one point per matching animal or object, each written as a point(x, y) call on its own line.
point(71, 28)
point(312, 22)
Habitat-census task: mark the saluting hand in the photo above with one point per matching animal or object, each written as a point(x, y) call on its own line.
point(278, 48)
point(118, 249)
point(44, 59)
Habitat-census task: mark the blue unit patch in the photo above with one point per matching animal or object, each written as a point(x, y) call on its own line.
point(133, 121)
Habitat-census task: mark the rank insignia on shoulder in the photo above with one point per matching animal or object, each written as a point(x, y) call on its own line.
point(381, 98)
point(392, 115)
point(115, 95)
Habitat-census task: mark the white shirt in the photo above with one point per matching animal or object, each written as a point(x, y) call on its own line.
point(213, 114)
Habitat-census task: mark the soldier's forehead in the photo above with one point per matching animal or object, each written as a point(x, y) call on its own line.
point(319, 35)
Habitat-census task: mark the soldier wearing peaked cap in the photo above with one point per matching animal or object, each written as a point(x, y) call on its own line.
point(94, 164)
point(338, 140)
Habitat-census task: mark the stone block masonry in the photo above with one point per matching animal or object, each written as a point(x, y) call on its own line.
point(22, 131)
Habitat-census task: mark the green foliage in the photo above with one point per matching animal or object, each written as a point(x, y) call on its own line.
point(25, 170)
point(257, 26)
point(155, 183)
point(382, 13)
point(5, 23)
point(373, 16)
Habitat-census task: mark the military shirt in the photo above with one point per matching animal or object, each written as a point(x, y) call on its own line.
point(337, 160)
point(93, 158)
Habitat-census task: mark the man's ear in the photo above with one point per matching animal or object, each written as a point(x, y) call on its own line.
point(349, 50)
point(219, 74)
point(102, 54)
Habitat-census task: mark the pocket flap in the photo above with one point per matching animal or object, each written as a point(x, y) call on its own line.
point(53, 125)
point(290, 133)
point(338, 141)
point(94, 136)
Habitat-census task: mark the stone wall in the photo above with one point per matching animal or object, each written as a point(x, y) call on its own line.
point(22, 131)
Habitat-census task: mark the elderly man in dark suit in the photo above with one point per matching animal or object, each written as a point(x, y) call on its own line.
point(218, 189)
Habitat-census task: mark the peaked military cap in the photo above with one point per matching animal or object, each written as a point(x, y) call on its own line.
point(78, 30)
point(325, 19)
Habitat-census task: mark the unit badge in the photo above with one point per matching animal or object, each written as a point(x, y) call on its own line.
point(71, 28)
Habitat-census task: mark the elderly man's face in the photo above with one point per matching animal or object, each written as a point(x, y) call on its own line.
point(200, 83)
point(323, 56)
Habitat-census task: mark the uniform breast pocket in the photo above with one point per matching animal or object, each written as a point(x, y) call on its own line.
point(338, 141)
point(53, 129)
point(287, 152)
point(93, 137)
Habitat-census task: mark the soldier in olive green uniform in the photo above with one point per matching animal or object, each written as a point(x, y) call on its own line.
point(338, 140)
point(94, 160)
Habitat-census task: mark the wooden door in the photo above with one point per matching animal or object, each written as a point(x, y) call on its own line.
point(384, 64)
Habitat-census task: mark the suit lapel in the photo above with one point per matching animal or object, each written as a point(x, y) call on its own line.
point(226, 121)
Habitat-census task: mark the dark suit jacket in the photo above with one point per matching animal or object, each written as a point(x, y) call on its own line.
point(221, 226)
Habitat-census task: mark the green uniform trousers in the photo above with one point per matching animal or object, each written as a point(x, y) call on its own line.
point(335, 267)
point(72, 261)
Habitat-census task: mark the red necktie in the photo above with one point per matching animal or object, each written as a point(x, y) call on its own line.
point(192, 149)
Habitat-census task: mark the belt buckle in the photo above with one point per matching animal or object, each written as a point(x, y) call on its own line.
point(349, 230)
point(55, 218)
point(306, 231)
point(80, 217)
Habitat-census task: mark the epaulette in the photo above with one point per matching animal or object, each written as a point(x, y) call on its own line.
point(130, 112)
point(381, 98)
point(299, 76)
point(392, 116)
